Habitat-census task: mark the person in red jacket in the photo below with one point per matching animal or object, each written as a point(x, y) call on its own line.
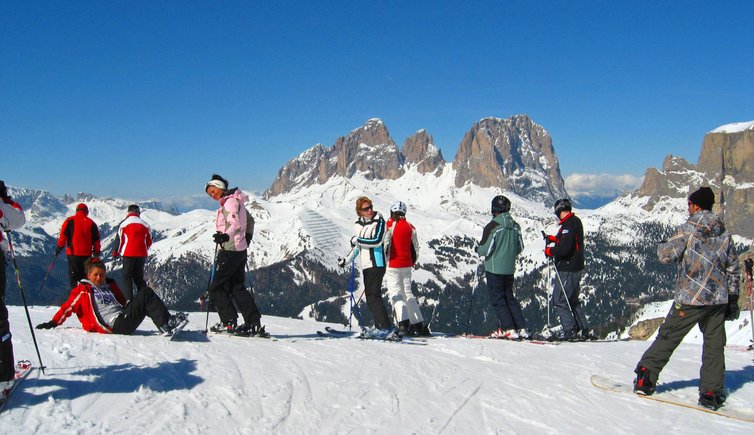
point(80, 236)
point(402, 254)
point(134, 240)
point(101, 307)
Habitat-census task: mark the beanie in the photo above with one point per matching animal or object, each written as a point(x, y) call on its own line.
point(704, 198)
point(133, 208)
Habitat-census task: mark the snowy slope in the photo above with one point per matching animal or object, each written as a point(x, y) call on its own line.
point(298, 384)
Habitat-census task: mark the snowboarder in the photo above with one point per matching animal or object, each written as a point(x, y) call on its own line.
point(403, 250)
point(566, 251)
point(370, 234)
point(500, 245)
point(706, 294)
point(228, 282)
point(11, 218)
point(80, 236)
point(101, 307)
point(134, 240)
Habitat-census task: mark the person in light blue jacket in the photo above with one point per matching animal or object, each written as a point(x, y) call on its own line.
point(501, 243)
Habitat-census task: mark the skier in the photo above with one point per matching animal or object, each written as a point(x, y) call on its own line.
point(566, 249)
point(228, 281)
point(370, 234)
point(134, 240)
point(11, 217)
point(101, 307)
point(501, 243)
point(402, 254)
point(80, 236)
point(706, 294)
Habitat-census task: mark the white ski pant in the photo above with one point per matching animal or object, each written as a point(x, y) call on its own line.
point(402, 299)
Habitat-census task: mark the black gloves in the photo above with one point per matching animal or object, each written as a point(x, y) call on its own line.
point(353, 241)
point(47, 325)
point(732, 311)
point(342, 262)
point(220, 238)
point(58, 249)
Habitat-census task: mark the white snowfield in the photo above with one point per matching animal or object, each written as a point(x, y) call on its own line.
point(299, 384)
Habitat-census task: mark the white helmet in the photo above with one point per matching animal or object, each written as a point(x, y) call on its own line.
point(398, 207)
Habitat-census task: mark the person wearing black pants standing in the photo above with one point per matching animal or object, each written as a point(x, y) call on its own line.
point(370, 230)
point(228, 281)
point(134, 240)
point(80, 237)
point(11, 218)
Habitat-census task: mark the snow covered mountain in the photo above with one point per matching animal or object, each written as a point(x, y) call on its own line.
point(304, 222)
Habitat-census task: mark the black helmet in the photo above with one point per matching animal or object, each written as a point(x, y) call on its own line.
point(562, 205)
point(501, 204)
point(134, 208)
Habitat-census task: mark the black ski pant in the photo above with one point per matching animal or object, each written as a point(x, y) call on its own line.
point(76, 269)
point(7, 365)
point(678, 322)
point(228, 287)
point(565, 297)
point(133, 273)
point(146, 303)
point(373, 289)
point(507, 308)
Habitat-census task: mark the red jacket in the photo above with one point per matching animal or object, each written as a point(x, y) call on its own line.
point(403, 243)
point(81, 302)
point(135, 239)
point(79, 235)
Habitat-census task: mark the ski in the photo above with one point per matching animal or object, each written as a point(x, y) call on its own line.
point(607, 384)
point(339, 332)
point(23, 368)
point(177, 329)
point(335, 333)
point(387, 340)
point(522, 340)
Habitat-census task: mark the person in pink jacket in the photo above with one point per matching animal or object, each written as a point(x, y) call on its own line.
point(227, 284)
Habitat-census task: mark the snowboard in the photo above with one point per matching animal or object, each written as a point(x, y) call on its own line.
point(23, 368)
point(614, 386)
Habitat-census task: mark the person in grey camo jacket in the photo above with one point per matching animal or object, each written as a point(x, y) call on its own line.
point(706, 294)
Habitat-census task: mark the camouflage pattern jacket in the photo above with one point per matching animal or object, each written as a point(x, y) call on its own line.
point(707, 264)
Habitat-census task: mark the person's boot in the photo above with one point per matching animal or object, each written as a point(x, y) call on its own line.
point(404, 327)
point(711, 400)
point(643, 383)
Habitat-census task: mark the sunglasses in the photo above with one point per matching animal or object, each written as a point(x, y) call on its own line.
point(367, 208)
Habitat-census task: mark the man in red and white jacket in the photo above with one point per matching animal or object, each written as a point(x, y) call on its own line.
point(79, 236)
point(134, 242)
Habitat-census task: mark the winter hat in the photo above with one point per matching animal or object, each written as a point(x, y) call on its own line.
point(704, 198)
point(82, 207)
point(217, 181)
point(133, 208)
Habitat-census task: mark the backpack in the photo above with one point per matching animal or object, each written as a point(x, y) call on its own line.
point(249, 226)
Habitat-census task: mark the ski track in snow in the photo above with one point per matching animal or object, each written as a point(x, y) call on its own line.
point(299, 383)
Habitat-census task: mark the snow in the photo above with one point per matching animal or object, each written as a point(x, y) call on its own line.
point(298, 384)
point(735, 127)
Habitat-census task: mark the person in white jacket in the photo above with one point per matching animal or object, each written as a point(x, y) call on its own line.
point(11, 218)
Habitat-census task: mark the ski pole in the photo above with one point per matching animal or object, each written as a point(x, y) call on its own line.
point(549, 280)
point(49, 269)
point(23, 298)
point(354, 306)
point(471, 302)
point(747, 267)
point(209, 285)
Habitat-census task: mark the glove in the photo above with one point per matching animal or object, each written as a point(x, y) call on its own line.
point(58, 249)
point(220, 238)
point(548, 251)
point(342, 262)
point(552, 239)
point(732, 311)
point(47, 325)
point(353, 241)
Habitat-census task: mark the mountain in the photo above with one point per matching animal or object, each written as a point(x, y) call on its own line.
point(725, 164)
point(301, 384)
point(303, 228)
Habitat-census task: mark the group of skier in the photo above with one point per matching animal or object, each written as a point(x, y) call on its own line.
point(706, 288)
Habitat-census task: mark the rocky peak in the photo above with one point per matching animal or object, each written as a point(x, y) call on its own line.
point(515, 154)
point(420, 150)
point(673, 181)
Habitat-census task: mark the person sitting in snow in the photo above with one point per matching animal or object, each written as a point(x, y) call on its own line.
point(101, 307)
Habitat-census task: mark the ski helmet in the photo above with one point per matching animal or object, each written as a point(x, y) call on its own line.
point(398, 207)
point(501, 204)
point(563, 204)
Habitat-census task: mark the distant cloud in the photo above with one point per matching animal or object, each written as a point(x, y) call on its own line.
point(601, 185)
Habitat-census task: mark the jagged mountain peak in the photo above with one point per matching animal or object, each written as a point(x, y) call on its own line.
point(420, 150)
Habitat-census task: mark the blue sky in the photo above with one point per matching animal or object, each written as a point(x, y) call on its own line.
point(145, 99)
